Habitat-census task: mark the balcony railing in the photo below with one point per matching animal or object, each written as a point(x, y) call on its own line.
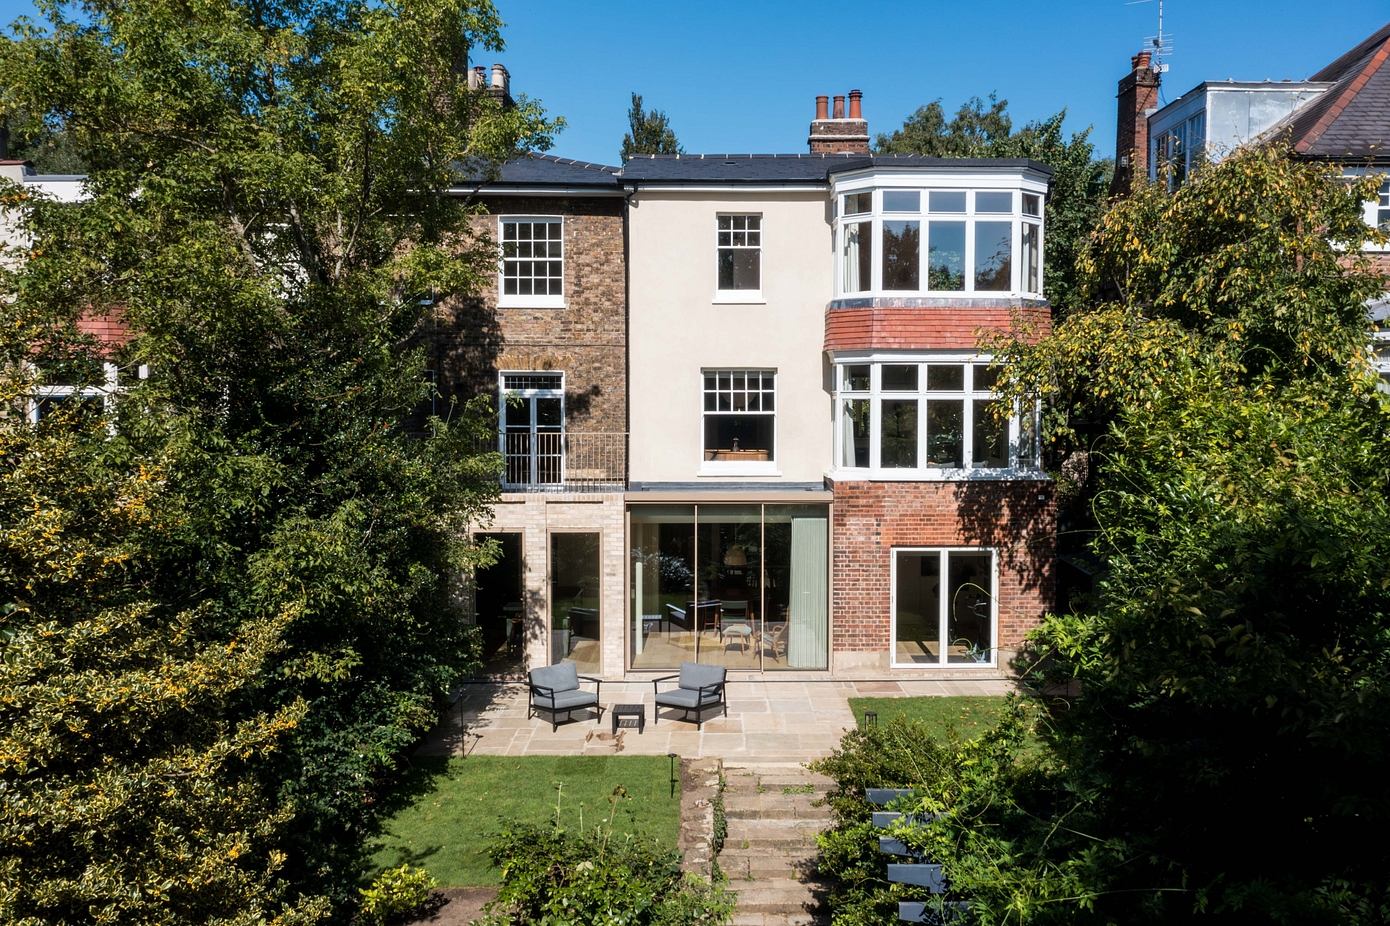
point(553, 461)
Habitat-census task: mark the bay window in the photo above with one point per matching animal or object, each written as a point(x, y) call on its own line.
point(940, 241)
point(927, 415)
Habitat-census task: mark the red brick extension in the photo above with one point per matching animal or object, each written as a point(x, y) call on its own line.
point(1016, 518)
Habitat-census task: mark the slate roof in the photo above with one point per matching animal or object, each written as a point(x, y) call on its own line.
point(544, 170)
point(1351, 120)
point(786, 168)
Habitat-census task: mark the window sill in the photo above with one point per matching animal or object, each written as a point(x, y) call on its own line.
point(737, 468)
point(531, 302)
point(972, 665)
point(982, 474)
point(739, 297)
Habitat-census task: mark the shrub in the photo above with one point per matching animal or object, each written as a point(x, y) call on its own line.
point(395, 894)
point(553, 877)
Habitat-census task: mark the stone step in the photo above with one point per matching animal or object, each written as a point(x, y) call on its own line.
point(779, 919)
point(779, 895)
point(755, 807)
point(758, 864)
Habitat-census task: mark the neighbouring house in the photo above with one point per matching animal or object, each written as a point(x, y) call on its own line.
point(109, 329)
point(1339, 115)
point(546, 340)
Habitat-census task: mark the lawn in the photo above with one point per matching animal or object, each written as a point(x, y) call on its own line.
point(957, 718)
point(453, 807)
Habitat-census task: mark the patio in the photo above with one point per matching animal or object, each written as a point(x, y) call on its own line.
point(790, 721)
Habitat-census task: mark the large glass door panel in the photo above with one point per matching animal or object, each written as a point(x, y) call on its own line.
point(917, 607)
point(970, 610)
point(729, 592)
point(796, 590)
point(576, 597)
point(662, 583)
point(943, 607)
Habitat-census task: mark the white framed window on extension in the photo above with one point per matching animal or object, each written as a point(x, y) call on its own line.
point(739, 248)
point(945, 607)
point(532, 269)
point(739, 423)
point(928, 416)
point(531, 428)
point(58, 400)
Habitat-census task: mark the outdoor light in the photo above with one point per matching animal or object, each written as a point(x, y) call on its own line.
point(871, 718)
point(672, 757)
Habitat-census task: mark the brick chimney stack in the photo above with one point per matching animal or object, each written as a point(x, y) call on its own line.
point(1138, 97)
point(839, 134)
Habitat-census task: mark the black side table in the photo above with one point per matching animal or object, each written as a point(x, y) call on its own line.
point(629, 715)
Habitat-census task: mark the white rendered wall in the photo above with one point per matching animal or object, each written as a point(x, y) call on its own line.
point(676, 329)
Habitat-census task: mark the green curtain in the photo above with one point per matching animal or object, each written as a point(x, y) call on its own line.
point(807, 625)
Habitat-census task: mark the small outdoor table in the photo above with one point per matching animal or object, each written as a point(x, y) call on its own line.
point(629, 715)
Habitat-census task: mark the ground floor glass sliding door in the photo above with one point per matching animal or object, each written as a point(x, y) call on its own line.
point(943, 607)
point(744, 586)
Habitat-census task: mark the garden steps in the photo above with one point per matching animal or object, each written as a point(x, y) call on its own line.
point(769, 853)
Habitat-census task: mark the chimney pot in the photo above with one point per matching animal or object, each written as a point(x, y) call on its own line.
point(477, 78)
point(822, 108)
point(839, 107)
point(1141, 61)
point(855, 112)
point(501, 80)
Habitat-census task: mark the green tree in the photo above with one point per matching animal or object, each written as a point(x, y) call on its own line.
point(980, 129)
point(1227, 751)
point(649, 132)
point(49, 148)
point(225, 604)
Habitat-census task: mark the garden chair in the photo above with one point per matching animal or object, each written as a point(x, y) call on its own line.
point(556, 689)
point(698, 688)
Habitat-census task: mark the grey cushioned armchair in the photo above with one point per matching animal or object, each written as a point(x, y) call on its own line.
point(698, 688)
point(556, 689)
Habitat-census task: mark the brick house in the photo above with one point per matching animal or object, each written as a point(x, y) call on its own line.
point(546, 339)
point(817, 482)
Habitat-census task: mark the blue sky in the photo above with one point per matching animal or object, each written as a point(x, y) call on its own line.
point(743, 76)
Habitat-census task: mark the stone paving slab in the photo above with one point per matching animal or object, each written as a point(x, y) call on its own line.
point(791, 721)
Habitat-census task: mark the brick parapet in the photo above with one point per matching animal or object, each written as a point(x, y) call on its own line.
point(870, 519)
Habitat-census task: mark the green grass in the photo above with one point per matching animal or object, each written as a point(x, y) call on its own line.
point(451, 809)
point(957, 717)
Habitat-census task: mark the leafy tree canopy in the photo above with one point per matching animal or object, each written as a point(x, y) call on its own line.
point(1227, 750)
point(649, 132)
point(224, 596)
point(980, 129)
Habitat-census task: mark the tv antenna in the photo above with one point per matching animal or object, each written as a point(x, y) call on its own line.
point(1160, 45)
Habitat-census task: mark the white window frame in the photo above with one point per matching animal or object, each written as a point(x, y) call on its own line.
point(739, 296)
point(106, 393)
point(943, 609)
point(530, 394)
point(738, 467)
point(1024, 462)
point(516, 300)
point(923, 217)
